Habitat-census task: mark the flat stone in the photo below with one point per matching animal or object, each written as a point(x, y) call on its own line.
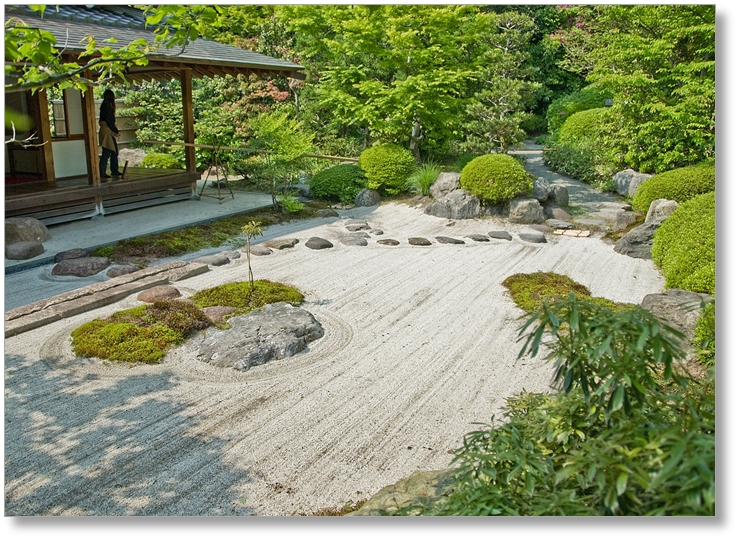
point(327, 213)
point(352, 240)
point(479, 237)
point(541, 228)
point(354, 225)
point(448, 240)
point(260, 250)
point(160, 292)
point(75, 253)
point(360, 234)
point(532, 235)
point(377, 232)
point(555, 212)
point(388, 242)
point(82, 267)
point(20, 251)
point(187, 271)
point(122, 270)
point(558, 224)
point(500, 235)
point(418, 241)
point(30, 322)
point(318, 243)
point(218, 259)
point(232, 254)
point(574, 233)
point(281, 243)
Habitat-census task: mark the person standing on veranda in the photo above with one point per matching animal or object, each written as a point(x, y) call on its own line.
point(108, 135)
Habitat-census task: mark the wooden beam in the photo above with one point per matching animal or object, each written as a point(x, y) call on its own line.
point(188, 118)
point(44, 127)
point(91, 131)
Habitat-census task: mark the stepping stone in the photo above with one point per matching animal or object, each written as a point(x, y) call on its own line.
point(377, 232)
point(577, 233)
point(448, 240)
point(478, 237)
point(558, 224)
point(82, 267)
point(232, 254)
point(418, 241)
point(75, 253)
point(260, 250)
point(354, 228)
point(219, 259)
point(122, 270)
point(318, 243)
point(20, 251)
point(160, 292)
point(351, 240)
point(541, 228)
point(532, 235)
point(281, 243)
point(327, 213)
point(388, 242)
point(555, 212)
point(500, 235)
point(357, 223)
point(360, 234)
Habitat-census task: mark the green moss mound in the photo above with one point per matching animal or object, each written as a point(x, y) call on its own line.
point(685, 245)
point(678, 185)
point(244, 299)
point(529, 291)
point(157, 160)
point(341, 182)
point(139, 335)
point(495, 178)
point(387, 167)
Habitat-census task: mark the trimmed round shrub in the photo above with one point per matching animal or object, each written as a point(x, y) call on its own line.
point(340, 182)
point(678, 185)
point(157, 160)
point(585, 128)
point(685, 245)
point(387, 167)
point(561, 109)
point(495, 178)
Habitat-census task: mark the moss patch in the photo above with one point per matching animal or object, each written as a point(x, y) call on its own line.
point(529, 291)
point(244, 299)
point(139, 335)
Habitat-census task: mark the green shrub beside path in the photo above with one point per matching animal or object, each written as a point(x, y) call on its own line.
point(678, 185)
point(495, 178)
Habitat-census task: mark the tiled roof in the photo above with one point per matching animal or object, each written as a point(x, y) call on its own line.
point(70, 25)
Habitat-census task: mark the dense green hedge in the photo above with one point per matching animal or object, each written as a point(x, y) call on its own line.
point(685, 245)
point(678, 185)
point(387, 167)
point(561, 109)
point(495, 178)
point(157, 160)
point(340, 182)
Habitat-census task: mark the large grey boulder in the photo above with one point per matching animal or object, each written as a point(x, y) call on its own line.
point(367, 197)
point(74, 253)
point(556, 212)
point(638, 241)
point(677, 308)
point(20, 251)
point(660, 210)
point(25, 229)
point(276, 331)
point(82, 267)
point(122, 270)
point(542, 190)
point(445, 183)
point(457, 204)
point(628, 181)
point(560, 195)
point(525, 211)
point(318, 243)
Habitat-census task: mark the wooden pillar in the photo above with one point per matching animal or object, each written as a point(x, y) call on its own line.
point(188, 118)
point(89, 117)
point(46, 161)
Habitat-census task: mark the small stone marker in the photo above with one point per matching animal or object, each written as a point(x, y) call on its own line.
point(318, 243)
point(418, 241)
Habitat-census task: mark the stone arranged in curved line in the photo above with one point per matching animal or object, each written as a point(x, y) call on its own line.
point(281, 243)
point(352, 240)
point(448, 240)
point(500, 235)
point(388, 242)
point(218, 259)
point(418, 241)
point(354, 225)
point(478, 237)
point(532, 235)
point(318, 243)
point(82, 267)
point(260, 250)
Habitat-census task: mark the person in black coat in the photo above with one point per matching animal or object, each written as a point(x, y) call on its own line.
point(108, 135)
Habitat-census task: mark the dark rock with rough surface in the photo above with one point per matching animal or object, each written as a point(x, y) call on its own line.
point(367, 197)
point(628, 181)
point(281, 243)
point(417, 241)
point(500, 235)
point(327, 213)
point(82, 267)
point(445, 183)
point(555, 212)
point(160, 292)
point(560, 195)
point(541, 190)
point(318, 243)
point(677, 308)
point(525, 211)
point(276, 331)
point(25, 229)
point(75, 253)
point(388, 242)
point(479, 237)
point(457, 204)
point(637, 243)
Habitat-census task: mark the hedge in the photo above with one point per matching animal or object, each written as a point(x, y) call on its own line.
point(678, 185)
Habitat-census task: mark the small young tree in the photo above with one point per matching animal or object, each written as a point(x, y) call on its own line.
point(251, 230)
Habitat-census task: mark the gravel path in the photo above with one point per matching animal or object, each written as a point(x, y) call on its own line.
point(420, 344)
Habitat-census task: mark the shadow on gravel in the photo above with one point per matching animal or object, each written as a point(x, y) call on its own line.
point(120, 448)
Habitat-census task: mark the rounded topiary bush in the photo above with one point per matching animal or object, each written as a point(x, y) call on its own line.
point(495, 178)
point(582, 100)
point(585, 128)
point(387, 167)
point(157, 160)
point(678, 185)
point(340, 182)
point(685, 245)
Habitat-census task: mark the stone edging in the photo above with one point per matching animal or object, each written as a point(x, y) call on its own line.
point(37, 314)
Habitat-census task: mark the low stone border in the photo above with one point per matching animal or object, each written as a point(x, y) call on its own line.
point(37, 314)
